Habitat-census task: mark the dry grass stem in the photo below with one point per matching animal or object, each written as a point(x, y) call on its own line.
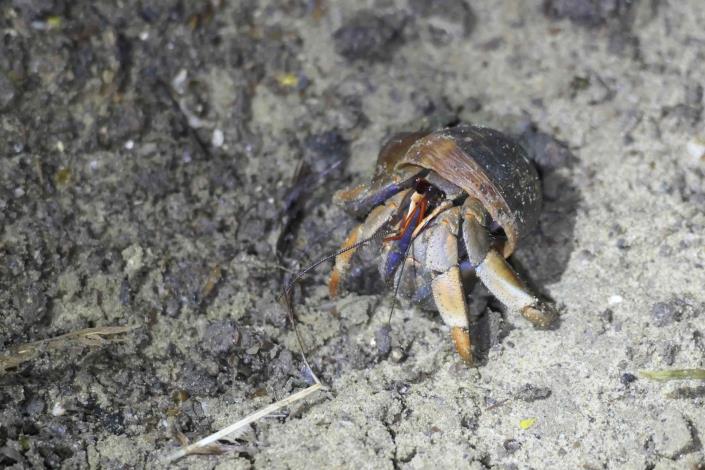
point(674, 374)
point(91, 337)
point(240, 426)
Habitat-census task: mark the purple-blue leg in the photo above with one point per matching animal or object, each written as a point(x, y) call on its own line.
point(400, 248)
point(361, 199)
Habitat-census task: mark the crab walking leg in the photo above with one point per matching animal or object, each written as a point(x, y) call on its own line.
point(449, 296)
point(379, 216)
point(359, 200)
point(398, 250)
point(446, 283)
point(494, 271)
point(499, 277)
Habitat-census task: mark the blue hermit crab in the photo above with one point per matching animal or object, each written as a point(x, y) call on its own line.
point(448, 204)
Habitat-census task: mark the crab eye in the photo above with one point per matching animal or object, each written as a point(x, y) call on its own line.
point(422, 186)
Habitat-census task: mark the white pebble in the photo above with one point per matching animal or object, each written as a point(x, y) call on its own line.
point(615, 299)
point(218, 138)
point(133, 256)
point(696, 149)
point(178, 83)
point(58, 409)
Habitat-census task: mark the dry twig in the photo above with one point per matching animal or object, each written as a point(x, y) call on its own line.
point(207, 442)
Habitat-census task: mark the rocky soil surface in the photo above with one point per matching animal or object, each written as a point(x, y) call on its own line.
point(166, 166)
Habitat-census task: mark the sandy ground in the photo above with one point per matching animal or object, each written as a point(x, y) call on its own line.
point(148, 162)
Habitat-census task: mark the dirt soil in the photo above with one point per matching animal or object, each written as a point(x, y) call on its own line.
point(167, 165)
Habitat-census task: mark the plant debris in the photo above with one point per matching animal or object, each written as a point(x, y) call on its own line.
point(91, 337)
point(674, 374)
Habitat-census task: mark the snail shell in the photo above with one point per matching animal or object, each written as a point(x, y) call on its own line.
point(483, 162)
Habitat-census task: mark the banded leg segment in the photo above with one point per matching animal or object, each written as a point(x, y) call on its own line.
point(447, 283)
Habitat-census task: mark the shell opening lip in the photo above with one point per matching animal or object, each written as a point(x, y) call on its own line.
point(441, 154)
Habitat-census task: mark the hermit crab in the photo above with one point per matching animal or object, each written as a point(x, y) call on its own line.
point(447, 205)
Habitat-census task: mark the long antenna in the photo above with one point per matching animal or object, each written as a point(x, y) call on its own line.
point(287, 293)
point(239, 427)
point(400, 278)
point(396, 288)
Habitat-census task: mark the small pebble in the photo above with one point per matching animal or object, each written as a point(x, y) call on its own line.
point(587, 13)
point(221, 337)
point(307, 375)
point(607, 315)
point(530, 393)
point(178, 83)
point(133, 258)
point(35, 406)
point(696, 150)
point(58, 409)
point(368, 36)
point(218, 138)
point(627, 378)
point(667, 352)
point(664, 313)
point(397, 355)
point(511, 445)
